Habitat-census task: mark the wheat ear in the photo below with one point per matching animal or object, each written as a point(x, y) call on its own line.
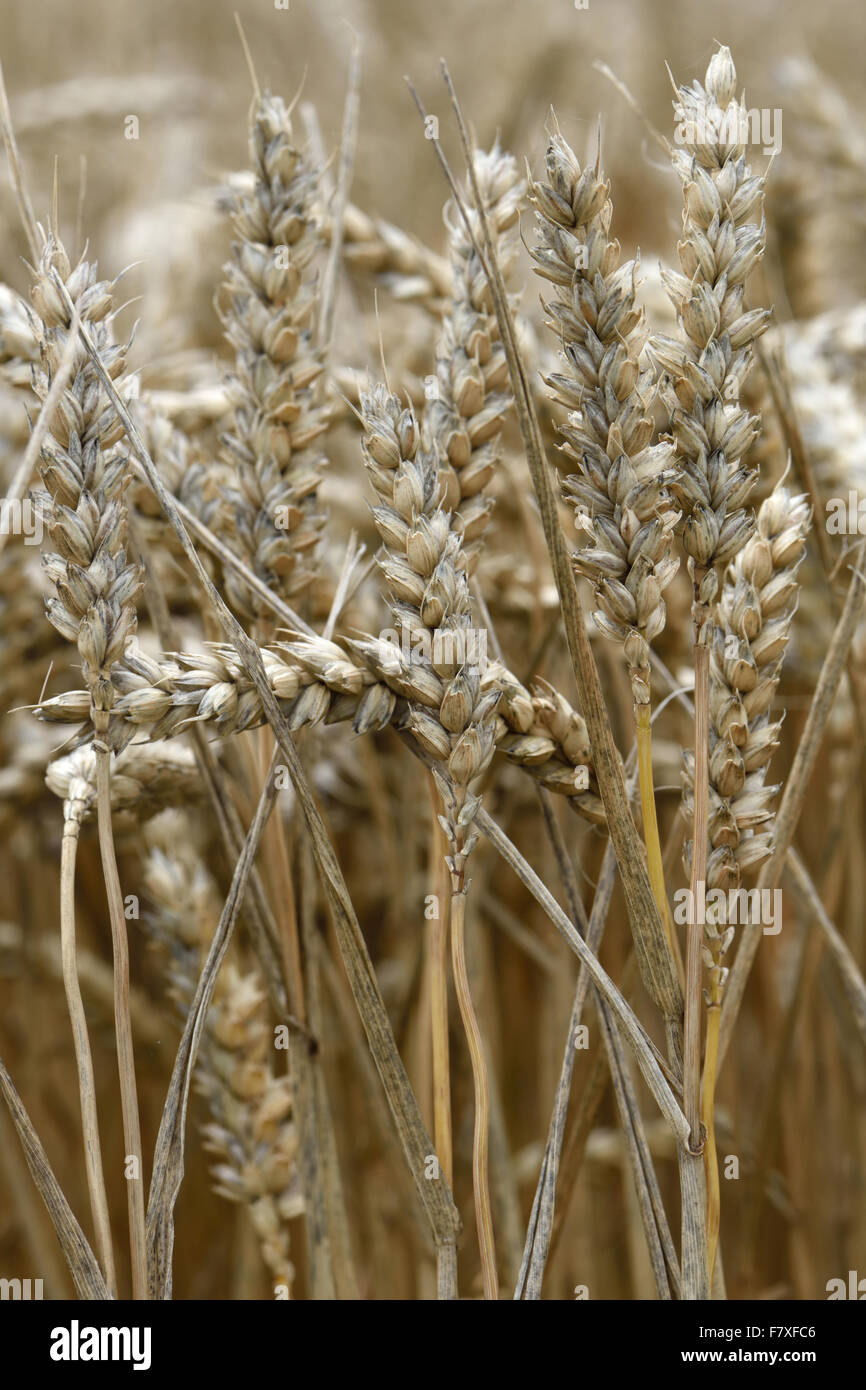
point(271, 510)
point(250, 1131)
point(471, 393)
point(621, 494)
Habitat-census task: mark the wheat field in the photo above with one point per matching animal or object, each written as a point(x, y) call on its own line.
point(433, 651)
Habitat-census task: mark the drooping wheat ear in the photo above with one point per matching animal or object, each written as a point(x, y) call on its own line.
point(423, 563)
point(316, 681)
point(251, 1130)
point(85, 472)
point(545, 736)
point(272, 514)
point(753, 623)
point(621, 493)
point(463, 421)
point(702, 372)
point(145, 778)
point(408, 269)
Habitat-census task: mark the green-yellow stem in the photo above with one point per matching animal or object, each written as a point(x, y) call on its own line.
point(83, 1058)
point(643, 725)
point(441, 1064)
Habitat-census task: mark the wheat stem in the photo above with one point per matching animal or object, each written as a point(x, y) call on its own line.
point(711, 1162)
point(84, 1060)
point(438, 954)
point(481, 1083)
point(122, 1019)
point(694, 938)
point(643, 727)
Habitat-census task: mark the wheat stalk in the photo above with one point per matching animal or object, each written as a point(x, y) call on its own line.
point(425, 566)
point(85, 476)
point(701, 377)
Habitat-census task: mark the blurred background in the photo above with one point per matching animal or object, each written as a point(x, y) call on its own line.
point(73, 75)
